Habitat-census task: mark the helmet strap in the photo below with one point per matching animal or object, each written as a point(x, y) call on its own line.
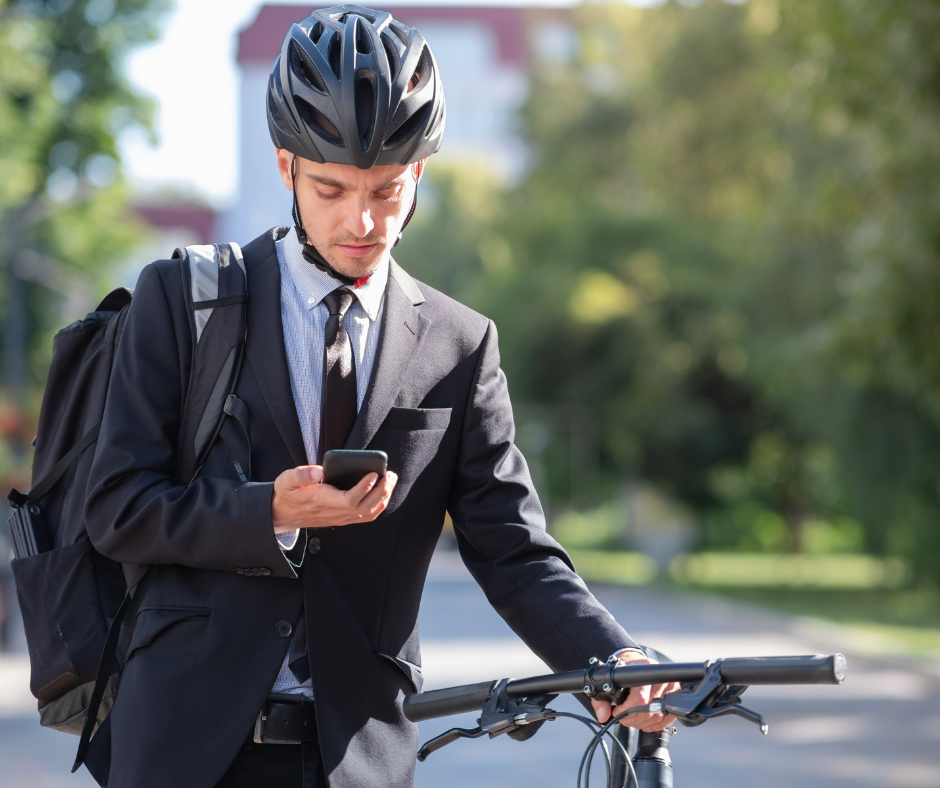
point(295, 211)
point(419, 171)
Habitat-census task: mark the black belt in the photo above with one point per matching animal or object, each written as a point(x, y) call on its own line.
point(285, 721)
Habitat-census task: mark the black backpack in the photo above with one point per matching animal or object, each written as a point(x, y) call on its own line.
point(74, 599)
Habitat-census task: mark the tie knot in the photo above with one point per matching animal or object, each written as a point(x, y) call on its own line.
point(339, 301)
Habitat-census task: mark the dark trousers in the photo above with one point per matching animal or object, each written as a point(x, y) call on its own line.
point(275, 766)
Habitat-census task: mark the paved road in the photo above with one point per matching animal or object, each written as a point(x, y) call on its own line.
point(881, 728)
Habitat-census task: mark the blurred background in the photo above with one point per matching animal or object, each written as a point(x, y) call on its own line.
point(707, 233)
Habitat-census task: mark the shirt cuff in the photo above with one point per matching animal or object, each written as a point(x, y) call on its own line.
point(288, 539)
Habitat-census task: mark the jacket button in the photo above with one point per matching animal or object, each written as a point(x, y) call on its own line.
point(240, 571)
point(313, 546)
point(265, 571)
point(284, 629)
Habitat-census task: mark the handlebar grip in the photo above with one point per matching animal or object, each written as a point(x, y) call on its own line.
point(818, 669)
point(443, 702)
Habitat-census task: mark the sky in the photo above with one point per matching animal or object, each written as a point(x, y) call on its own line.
point(192, 74)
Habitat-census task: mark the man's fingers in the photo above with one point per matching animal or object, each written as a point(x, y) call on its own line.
point(601, 710)
point(639, 696)
point(378, 497)
point(371, 495)
point(356, 494)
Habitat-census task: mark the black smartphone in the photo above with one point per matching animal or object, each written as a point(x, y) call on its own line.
point(344, 468)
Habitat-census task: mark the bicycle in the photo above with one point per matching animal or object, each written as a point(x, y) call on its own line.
point(519, 707)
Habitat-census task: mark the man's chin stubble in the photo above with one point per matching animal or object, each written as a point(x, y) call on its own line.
point(344, 267)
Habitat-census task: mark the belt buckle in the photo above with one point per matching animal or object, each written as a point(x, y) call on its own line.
point(259, 737)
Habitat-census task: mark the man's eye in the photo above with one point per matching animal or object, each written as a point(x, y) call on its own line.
point(328, 195)
point(388, 194)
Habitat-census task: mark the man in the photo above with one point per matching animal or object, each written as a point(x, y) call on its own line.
point(282, 609)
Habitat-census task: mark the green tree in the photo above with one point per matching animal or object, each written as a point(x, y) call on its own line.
point(63, 204)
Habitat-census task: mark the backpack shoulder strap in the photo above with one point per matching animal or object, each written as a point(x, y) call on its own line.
point(108, 660)
point(215, 286)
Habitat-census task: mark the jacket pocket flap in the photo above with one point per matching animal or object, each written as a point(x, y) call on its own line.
point(412, 672)
point(153, 621)
point(418, 418)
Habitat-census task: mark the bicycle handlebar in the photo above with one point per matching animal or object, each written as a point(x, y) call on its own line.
point(818, 669)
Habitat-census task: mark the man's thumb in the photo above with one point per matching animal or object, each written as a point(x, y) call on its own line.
point(303, 476)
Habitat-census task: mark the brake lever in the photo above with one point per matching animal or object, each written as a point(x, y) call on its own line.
point(500, 714)
point(738, 710)
point(708, 699)
point(446, 738)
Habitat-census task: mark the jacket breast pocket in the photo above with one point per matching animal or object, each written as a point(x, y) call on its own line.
point(417, 419)
point(153, 622)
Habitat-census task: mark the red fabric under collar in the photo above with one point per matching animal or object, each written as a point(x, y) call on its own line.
point(361, 281)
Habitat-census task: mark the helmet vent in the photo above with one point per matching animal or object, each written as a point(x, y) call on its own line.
point(276, 116)
point(394, 57)
point(435, 124)
point(422, 72)
point(318, 122)
point(365, 99)
point(409, 128)
point(363, 42)
point(316, 31)
point(400, 31)
point(303, 68)
point(333, 54)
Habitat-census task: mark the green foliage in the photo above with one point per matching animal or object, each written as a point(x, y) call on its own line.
point(597, 528)
point(63, 205)
point(62, 100)
point(726, 251)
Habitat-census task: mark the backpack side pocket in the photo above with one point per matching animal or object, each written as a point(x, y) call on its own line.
point(66, 625)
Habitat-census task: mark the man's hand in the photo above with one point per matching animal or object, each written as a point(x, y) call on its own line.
point(302, 500)
point(638, 696)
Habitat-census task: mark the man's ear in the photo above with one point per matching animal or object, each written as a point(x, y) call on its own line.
point(419, 167)
point(284, 160)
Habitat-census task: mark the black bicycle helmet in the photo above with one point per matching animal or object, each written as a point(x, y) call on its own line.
point(355, 86)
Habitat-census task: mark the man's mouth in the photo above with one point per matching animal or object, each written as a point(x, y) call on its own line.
point(356, 250)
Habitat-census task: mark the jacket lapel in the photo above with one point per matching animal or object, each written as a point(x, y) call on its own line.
point(266, 356)
point(404, 329)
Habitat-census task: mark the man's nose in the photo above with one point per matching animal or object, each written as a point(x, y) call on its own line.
point(359, 221)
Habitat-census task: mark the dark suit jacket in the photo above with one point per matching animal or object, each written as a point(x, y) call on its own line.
point(206, 647)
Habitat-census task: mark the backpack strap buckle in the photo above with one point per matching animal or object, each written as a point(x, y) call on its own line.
point(16, 498)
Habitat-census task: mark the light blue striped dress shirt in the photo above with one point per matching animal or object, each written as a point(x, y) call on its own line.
point(303, 316)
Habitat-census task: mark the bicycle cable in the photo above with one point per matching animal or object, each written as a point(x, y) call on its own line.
point(598, 731)
point(604, 730)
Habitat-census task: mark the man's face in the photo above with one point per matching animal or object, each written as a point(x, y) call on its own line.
point(351, 216)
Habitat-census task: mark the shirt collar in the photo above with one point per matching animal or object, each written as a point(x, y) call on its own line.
point(314, 284)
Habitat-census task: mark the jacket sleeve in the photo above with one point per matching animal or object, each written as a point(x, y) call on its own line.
point(526, 575)
point(135, 512)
